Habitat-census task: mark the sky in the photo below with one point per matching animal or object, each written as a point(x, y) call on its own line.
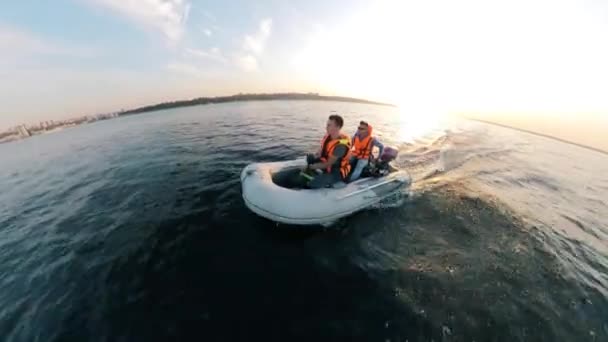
point(67, 58)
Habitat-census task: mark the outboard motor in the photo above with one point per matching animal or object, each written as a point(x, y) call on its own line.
point(381, 166)
point(389, 154)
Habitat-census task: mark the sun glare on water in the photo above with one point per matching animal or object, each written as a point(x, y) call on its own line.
point(419, 124)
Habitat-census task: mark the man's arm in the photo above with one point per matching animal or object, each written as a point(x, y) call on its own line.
point(324, 165)
point(339, 151)
point(380, 146)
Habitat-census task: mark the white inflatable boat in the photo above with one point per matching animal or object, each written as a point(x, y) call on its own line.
point(264, 195)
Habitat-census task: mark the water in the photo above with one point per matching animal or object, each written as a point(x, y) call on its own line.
point(134, 230)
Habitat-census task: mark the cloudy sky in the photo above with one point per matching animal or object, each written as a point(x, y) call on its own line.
point(65, 58)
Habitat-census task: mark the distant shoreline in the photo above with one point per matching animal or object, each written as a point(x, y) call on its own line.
point(247, 97)
point(541, 135)
point(23, 131)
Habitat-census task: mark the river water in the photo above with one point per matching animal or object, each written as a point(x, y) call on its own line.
point(134, 229)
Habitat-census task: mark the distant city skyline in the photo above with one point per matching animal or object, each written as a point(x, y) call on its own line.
point(27, 130)
point(69, 58)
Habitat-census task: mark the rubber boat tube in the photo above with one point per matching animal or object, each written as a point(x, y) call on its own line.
point(312, 206)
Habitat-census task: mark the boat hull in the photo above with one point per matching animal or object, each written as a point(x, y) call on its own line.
point(313, 206)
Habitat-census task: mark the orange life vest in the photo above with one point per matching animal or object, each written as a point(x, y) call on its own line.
point(363, 148)
point(327, 149)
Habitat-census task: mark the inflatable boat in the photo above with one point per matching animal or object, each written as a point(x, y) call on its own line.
point(266, 192)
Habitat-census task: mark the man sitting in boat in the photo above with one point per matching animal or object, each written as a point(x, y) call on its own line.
point(363, 143)
point(332, 157)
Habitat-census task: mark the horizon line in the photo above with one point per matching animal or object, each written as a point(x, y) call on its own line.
point(148, 108)
point(234, 98)
point(595, 149)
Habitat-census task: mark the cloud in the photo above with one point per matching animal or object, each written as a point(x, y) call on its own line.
point(253, 46)
point(247, 63)
point(209, 16)
point(20, 46)
point(13, 40)
point(214, 54)
point(184, 68)
point(195, 61)
point(256, 43)
point(167, 16)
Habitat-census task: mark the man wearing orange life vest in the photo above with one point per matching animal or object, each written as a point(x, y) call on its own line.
point(332, 157)
point(363, 143)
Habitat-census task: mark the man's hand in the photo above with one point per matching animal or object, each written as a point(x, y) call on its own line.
point(315, 166)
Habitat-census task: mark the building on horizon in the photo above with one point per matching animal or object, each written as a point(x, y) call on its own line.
point(23, 131)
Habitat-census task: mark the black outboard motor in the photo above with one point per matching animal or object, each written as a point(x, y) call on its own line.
point(381, 166)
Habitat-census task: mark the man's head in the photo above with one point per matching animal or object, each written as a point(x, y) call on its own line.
point(334, 125)
point(363, 127)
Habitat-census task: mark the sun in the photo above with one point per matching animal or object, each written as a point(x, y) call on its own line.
point(369, 55)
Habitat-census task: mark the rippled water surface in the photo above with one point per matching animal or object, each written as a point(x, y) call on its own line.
point(134, 230)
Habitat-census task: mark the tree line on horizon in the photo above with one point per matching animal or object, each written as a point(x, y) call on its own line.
point(245, 97)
